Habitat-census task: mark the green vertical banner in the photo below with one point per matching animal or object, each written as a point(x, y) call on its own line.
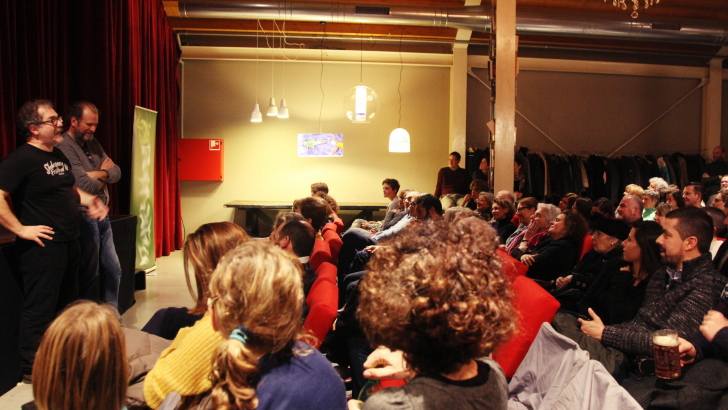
point(142, 185)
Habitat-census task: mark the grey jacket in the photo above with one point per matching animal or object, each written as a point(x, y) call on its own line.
point(80, 165)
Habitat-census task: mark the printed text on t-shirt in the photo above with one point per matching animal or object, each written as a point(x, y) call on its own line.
point(55, 168)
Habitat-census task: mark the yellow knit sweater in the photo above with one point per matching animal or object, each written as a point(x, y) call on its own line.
point(186, 364)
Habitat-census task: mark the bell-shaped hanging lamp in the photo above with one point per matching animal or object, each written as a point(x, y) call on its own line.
point(283, 110)
point(399, 141)
point(256, 116)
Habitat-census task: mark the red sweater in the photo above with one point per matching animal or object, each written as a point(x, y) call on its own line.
point(452, 182)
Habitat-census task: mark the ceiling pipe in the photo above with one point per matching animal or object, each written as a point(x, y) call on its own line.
point(534, 21)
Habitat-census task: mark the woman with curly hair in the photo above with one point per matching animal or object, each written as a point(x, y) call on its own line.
point(436, 296)
point(557, 253)
point(257, 307)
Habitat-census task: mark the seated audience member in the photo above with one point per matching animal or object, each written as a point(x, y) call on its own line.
point(319, 186)
point(661, 210)
point(457, 213)
point(452, 182)
point(401, 211)
point(297, 205)
point(507, 195)
point(603, 206)
point(329, 200)
point(282, 218)
point(650, 199)
point(693, 194)
point(355, 240)
point(315, 211)
point(720, 199)
point(605, 259)
point(438, 304)
point(428, 207)
point(503, 212)
point(567, 201)
point(482, 173)
point(203, 249)
point(524, 210)
point(658, 184)
point(616, 296)
point(536, 230)
point(677, 295)
point(584, 207)
point(297, 238)
point(390, 189)
point(484, 206)
point(81, 362)
point(630, 209)
point(674, 197)
point(714, 172)
point(718, 228)
point(557, 252)
point(471, 199)
point(633, 189)
point(258, 298)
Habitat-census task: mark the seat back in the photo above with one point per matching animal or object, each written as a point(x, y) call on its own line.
point(321, 253)
point(328, 227)
point(533, 306)
point(339, 225)
point(323, 300)
point(512, 268)
point(586, 246)
point(335, 243)
point(327, 271)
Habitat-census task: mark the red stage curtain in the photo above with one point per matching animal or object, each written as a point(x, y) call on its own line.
point(114, 53)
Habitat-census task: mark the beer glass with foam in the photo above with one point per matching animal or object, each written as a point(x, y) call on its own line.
point(667, 354)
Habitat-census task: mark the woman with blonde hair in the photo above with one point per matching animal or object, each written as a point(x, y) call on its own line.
point(257, 307)
point(203, 249)
point(81, 362)
point(184, 367)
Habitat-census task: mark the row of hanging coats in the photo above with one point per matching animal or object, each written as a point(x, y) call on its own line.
point(548, 177)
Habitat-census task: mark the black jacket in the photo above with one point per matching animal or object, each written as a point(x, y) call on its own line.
point(552, 258)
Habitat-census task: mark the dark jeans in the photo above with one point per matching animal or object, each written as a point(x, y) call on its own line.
point(50, 283)
point(354, 241)
point(100, 270)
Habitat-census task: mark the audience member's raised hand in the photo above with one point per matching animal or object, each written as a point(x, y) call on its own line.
point(594, 327)
point(687, 352)
point(712, 323)
point(528, 259)
point(531, 230)
point(561, 282)
point(386, 364)
point(371, 248)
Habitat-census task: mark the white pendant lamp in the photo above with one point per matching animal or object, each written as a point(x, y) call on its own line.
point(272, 109)
point(399, 139)
point(283, 110)
point(256, 116)
point(361, 103)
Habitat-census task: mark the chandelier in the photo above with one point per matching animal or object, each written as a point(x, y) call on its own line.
point(635, 5)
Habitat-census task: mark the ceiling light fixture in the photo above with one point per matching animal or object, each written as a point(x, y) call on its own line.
point(283, 110)
point(272, 109)
point(635, 5)
point(399, 139)
point(361, 103)
point(256, 116)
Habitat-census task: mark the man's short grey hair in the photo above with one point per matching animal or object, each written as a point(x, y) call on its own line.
point(636, 202)
point(660, 184)
point(654, 195)
point(548, 211)
point(490, 197)
point(510, 194)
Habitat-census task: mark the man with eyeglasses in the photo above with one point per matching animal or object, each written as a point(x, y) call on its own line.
point(38, 177)
point(100, 271)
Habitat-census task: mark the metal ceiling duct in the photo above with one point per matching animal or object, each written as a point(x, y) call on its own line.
point(472, 18)
point(533, 21)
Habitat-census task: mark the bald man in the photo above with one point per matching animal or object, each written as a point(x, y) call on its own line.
point(714, 172)
point(630, 209)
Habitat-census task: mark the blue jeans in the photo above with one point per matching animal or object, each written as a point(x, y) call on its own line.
point(100, 271)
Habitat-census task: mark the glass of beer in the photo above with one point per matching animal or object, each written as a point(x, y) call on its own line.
point(667, 354)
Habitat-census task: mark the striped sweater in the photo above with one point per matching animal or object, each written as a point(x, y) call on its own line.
point(185, 366)
point(681, 308)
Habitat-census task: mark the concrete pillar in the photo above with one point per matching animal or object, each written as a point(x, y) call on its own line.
point(458, 99)
point(505, 93)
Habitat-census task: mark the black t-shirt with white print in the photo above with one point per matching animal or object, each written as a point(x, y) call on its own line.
point(41, 185)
